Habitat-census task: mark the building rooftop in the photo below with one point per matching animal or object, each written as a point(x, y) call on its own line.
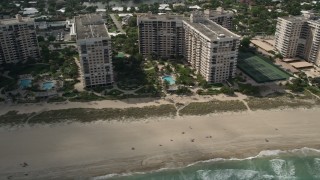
point(160, 17)
point(17, 20)
point(218, 12)
point(90, 26)
point(304, 17)
point(211, 29)
point(261, 44)
point(302, 64)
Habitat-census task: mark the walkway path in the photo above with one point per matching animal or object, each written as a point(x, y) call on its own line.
point(6, 74)
point(127, 91)
point(117, 23)
point(79, 85)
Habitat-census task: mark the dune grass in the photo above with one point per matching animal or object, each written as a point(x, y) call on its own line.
point(86, 115)
point(202, 108)
point(285, 101)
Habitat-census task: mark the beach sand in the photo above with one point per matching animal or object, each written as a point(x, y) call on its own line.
point(77, 150)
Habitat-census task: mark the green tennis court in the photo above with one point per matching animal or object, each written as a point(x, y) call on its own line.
point(259, 69)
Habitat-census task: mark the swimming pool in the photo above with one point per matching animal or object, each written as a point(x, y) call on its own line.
point(47, 85)
point(169, 79)
point(25, 83)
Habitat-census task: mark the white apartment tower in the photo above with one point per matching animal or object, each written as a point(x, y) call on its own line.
point(18, 40)
point(299, 36)
point(94, 44)
point(211, 49)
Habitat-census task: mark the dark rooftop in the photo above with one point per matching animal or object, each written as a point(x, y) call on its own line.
point(90, 26)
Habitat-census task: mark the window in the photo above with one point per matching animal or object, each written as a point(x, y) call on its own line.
point(83, 49)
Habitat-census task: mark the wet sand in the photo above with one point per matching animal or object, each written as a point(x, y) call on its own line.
point(77, 150)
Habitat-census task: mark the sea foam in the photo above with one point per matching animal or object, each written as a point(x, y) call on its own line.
point(282, 169)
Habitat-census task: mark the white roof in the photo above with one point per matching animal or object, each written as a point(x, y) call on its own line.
point(178, 4)
point(72, 30)
point(27, 11)
point(124, 14)
point(117, 9)
point(101, 10)
point(62, 10)
point(163, 6)
point(194, 7)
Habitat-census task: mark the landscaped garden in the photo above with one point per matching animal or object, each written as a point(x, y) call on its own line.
point(54, 72)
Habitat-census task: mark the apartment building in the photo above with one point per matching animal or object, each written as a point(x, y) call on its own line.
point(299, 36)
point(161, 35)
point(210, 49)
point(312, 39)
point(94, 44)
point(220, 16)
point(18, 40)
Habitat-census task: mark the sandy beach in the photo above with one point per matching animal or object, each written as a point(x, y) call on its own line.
point(75, 151)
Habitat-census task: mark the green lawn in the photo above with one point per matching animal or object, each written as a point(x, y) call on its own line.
point(260, 69)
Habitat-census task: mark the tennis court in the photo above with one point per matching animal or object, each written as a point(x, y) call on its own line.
point(259, 69)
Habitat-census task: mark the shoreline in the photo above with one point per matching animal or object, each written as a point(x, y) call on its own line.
point(252, 155)
point(95, 149)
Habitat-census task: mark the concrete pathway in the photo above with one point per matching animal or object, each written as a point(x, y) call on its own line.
point(117, 23)
point(79, 85)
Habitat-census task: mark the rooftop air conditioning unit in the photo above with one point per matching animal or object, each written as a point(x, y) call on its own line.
point(222, 35)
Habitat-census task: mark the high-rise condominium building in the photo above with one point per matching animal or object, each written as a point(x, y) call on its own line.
point(220, 16)
point(18, 40)
point(299, 36)
point(160, 35)
point(94, 44)
point(211, 49)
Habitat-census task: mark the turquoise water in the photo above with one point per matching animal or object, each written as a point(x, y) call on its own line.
point(47, 85)
point(25, 83)
point(302, 164)
point(169, 79)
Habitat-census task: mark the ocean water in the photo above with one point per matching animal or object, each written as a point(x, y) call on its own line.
point(299, 164)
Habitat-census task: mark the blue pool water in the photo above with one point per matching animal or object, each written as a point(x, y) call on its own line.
point(25, 83)
point(169, 79)
point(47, 85)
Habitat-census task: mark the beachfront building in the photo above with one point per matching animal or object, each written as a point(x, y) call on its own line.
point(220, 16)
point(299, 36)
point(161, 35)
point(211, 49)
point(18, 40)
point(94, 44)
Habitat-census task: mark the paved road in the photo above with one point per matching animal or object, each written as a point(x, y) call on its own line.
point(117, 23)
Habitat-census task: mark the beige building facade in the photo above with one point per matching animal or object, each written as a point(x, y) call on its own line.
point(18, 40)
point(94, 44)
point(161, 35)
point(211, 49)
point(299, 36)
